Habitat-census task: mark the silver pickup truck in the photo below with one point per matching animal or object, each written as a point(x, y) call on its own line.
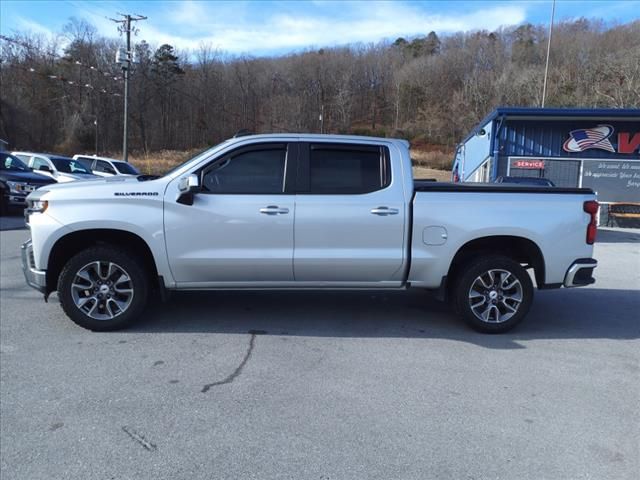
point(302, 211)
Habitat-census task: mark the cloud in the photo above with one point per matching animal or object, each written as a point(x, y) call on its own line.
point(277, 27)
point(24, 24)
point(258, 32)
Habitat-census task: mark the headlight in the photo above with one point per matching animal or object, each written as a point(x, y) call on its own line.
point(37, 206)
point(17, 187)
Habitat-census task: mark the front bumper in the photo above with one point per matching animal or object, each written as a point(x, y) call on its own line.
point(580, 273)
point(16, 200)
point(35, 278)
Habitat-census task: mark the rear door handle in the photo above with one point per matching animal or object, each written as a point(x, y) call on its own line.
point(383, 211)
point(274, 210)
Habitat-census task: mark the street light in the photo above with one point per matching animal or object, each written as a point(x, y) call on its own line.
point(546, 68)
point(95, 122)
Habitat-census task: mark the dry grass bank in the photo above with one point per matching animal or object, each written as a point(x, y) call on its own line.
point(426, 163)
point(425, 172)
point(157, 163)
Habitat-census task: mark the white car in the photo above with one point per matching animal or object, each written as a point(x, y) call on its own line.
point(61, 169)
point(107, 167)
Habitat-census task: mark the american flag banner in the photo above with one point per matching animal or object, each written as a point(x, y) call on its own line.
point(587, 138)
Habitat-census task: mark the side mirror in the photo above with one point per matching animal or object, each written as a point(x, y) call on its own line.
point(44, 168)
point(187, 186)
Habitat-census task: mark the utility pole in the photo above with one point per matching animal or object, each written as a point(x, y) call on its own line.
point(546, 68)
point(125, 61)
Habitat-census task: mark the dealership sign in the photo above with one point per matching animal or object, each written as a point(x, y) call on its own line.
point(599, 137)
point(528, 164)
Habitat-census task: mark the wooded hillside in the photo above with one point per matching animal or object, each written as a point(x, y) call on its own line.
point(429, 89)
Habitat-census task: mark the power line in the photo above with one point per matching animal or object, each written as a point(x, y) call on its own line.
point(67, 82)
point(69, 60)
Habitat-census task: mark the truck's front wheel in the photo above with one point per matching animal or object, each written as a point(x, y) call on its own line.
point(103, 288)
point(493, 293)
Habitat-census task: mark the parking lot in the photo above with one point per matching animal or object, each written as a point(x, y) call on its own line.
point(308, 385)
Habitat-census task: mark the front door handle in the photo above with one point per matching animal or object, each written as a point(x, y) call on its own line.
point(274, 210)
point(383, 211)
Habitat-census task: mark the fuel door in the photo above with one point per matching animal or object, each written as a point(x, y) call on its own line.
point(434, 235)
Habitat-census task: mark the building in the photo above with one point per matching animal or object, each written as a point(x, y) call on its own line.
point(596, 148)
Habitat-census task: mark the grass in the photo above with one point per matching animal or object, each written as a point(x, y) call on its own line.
point(157, 163)
point(435, 159)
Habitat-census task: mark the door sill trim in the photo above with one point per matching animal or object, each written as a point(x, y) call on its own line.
point(290, 286)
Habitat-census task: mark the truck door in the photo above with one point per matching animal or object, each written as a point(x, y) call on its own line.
point(239, 230)
point(350, 216)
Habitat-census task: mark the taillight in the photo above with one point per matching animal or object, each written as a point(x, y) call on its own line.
point(591, 207)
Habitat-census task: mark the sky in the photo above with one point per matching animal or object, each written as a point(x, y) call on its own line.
point(266, 28)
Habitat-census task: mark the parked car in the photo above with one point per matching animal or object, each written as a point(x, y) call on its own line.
point(61, 169)
point(530, 181)
point(305, 211)
point(106, 167)
point(16, 182)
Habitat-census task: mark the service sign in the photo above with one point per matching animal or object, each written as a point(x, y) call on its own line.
point(532, 164)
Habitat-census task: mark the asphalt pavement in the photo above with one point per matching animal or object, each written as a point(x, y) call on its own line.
point(306, 385)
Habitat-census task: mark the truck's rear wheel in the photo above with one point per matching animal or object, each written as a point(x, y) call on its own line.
point(493, 294)
point(103, 288)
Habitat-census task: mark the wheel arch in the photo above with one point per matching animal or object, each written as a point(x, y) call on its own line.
point(520, 249)
point(68, 245)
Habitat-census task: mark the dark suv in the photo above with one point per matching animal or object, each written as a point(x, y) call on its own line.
point(16, 182)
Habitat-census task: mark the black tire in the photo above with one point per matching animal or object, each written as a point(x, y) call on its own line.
point(4, 204)
point(138, 283)
point(496, 303)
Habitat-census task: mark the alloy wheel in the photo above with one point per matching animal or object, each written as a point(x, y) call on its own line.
point(495, 296)
point(102, 290)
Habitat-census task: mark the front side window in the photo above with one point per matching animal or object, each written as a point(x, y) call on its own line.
point(347, 170)
point(258, 171)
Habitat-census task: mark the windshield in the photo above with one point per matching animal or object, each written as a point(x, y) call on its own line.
point(126, 168)
point(9, 162)
point(67, 165)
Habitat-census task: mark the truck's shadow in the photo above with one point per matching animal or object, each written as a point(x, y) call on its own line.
point(571, 314)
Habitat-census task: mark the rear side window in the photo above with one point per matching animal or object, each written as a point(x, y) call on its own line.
point(347, 169)
point(86, 161)
point(39, 162)
point(257, 171)
point(102, 166)
point(123, 167)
